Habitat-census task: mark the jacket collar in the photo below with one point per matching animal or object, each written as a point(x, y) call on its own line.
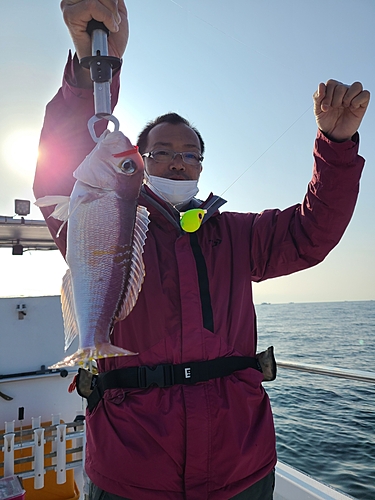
point(213, 203)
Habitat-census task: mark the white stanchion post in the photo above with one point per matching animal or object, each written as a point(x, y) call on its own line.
point(86, 482)
point(55, 421)
point(84, 445)
point(36, 422)
point(9, 427)
point(9, 439)
point(9, 454)
point(56, 418)
point(61, 453)
point(38, 458)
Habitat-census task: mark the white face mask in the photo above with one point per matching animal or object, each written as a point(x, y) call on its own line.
point(177, 193)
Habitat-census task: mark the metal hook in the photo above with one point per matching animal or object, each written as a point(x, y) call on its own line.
point(95, 118)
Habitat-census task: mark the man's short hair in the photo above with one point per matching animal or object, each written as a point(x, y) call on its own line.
point(172, 118)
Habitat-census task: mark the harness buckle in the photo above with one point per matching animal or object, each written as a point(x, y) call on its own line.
point(160, 375)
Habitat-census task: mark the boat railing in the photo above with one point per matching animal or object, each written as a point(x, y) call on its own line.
point(61, 457)
point(330, 371)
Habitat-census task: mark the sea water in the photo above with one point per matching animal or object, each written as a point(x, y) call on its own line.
point(325, 426)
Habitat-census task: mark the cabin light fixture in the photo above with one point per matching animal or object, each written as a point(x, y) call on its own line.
point(22, 207)
point(17, 249)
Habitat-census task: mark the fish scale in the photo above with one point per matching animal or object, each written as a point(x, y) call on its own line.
point(108, 263)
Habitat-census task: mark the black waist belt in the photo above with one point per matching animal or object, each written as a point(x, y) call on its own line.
point(93, 387)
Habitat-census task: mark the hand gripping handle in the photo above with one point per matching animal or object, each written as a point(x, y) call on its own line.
point(101, 66)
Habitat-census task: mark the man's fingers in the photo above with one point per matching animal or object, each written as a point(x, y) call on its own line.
point(361, 100)
point(352, 92)
point(106, 12)
point(80, 12)
point(318, 96)
point(320, 93)
point(331, 88)
point(339, 95)
point(356, 97)
point(339, 92)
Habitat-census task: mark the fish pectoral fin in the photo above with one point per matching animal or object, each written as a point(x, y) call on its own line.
point(61, 211)
point(62, 205)
point(137, 268)
point(68, 310)
point(64, 212)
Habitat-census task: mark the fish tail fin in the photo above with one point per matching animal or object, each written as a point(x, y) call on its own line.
point(82, 357)
point(137, 268)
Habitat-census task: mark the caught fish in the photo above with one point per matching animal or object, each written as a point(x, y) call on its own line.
point(105, 238)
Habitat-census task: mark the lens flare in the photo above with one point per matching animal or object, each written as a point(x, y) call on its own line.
point(20, 151)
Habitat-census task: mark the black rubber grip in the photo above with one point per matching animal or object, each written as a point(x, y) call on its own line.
point(96, 25)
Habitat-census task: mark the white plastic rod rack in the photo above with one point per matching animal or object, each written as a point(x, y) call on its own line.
point(34, 440)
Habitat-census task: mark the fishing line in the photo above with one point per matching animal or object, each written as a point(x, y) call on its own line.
point(265, 151)
point(192, 219)
point(191, 215)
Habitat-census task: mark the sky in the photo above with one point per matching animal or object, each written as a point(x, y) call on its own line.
point(243, 72)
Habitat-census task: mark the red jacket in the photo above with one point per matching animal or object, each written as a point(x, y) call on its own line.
point(214, 439)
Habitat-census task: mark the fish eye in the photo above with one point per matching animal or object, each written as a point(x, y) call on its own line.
point(128, 166)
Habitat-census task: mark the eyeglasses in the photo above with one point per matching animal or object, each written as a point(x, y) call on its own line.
point(166, 156)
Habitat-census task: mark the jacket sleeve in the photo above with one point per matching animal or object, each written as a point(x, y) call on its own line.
point(65, 141)
point(283, 242)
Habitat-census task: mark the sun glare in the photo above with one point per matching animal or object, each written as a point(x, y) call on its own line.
point(20, 151)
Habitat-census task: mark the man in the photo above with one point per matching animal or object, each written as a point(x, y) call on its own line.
point(213, 439)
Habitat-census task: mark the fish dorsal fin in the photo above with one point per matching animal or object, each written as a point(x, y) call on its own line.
point(137, 268)
point(68, 311)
